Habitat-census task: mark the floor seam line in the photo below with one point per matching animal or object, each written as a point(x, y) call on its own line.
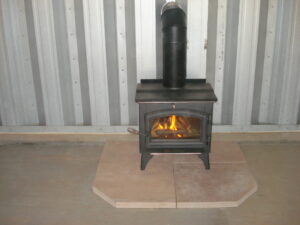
point(173, 165)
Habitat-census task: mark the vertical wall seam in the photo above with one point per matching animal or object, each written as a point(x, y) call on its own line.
point(159, 56)
point(260, 60)
point(220, 59)
point(112, 61)
point(232, 21)
point(82, 61)
point(74, 60)
point(291, 90)
point(279, 60)
point(122, 60)
point(131, 60)
point(212, 36)
point(268, 61)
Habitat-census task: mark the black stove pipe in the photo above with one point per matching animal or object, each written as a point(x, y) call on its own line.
point(174, 45)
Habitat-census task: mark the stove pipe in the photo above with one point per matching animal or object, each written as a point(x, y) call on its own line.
point(174, 45)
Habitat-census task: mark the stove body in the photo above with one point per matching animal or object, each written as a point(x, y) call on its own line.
point(191, 107)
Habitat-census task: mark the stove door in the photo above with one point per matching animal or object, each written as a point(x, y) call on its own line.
point(176, 129)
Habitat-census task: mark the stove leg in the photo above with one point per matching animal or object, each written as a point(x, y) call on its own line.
point(145, 157)
point(205, 158)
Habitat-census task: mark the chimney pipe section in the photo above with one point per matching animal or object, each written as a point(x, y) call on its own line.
point(174, 45)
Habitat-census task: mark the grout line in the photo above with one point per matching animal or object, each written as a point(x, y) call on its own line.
point(173, 165)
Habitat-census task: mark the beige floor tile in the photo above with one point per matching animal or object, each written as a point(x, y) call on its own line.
point(221, 152)
point(120, 181)
point(224, 185)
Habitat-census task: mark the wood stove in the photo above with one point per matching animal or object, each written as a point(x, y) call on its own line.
point(175, 113)
point(175, 120)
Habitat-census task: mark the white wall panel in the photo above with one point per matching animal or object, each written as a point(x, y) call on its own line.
point(7, 108)
point(17, 53)
point(197, 36)
point(145, 39)
point(21, 51)
point(246, 59)
point(12, 59)
point(47, 58)
point(96, 59)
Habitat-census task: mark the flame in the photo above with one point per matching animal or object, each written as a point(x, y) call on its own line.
point(172, 126)
point(173, 123)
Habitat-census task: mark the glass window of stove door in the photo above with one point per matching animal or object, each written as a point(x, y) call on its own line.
point(176, 127)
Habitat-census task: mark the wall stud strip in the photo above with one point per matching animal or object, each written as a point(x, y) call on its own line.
point(268, 61)
point(245, 66)
point(145, 39)
point(19, 67)
point(281, 59)
point(29, 95)
point(47, 57)
point(291, 84)
point(197, 18)
point(73, 58)
point(220, 59)
point(231, 38)
point(9, 90)
point(7, 107)
point(122, 60)
point(96, 60)
point(24, 79)
point(13, 59)
point(281, 39)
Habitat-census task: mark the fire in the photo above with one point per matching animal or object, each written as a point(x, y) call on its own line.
point(173, 123)
point(172, 126)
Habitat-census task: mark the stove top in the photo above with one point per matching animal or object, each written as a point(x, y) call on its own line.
point(195, 90)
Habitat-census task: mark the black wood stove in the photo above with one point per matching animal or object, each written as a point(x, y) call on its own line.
point(175, 113)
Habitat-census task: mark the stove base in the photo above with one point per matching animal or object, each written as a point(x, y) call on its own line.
point(145, 157)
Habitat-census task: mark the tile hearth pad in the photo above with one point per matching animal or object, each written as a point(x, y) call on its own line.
point(173, 181)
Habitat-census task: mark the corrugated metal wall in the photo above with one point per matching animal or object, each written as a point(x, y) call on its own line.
point(77, 62)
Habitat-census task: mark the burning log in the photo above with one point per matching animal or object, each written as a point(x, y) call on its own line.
point(168, 132)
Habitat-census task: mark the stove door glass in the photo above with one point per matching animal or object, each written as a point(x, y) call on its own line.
point(176, 127)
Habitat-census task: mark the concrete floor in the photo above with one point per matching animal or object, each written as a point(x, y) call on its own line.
point(43, 181)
